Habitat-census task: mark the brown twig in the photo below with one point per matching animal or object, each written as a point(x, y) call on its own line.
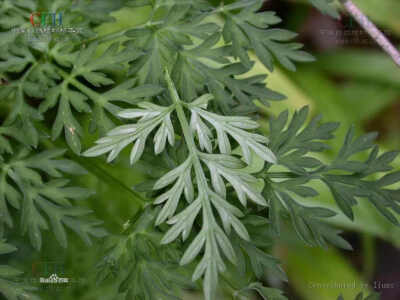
point(372, 30)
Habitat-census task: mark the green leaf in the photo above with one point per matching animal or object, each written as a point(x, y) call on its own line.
point(151, 270)
point(250, 30)
point(326, 7)
point(151, 116)
point(159, 41)
point(292, 141)
point(25, 186)
point(265, 292)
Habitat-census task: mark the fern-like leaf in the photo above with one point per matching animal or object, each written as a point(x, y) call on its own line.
point(24, 186)
point(249, 30)
point(212, 238)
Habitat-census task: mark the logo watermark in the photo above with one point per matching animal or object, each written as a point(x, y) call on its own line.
point(51, 275)
point(348, 32)
point(356, 285)
point(53, 278)
point(46, 26)
point(43, 19)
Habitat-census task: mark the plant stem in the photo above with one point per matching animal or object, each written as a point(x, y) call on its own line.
point(201, 178)
point(372, 30)
point(93, 166)
point(120, 33)
point(209, 224)
point(69, 78)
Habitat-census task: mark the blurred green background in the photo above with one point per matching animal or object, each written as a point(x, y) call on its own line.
point(353, 82)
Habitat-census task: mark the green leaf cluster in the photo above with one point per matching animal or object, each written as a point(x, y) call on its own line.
point(175, 91)
point(25, 186)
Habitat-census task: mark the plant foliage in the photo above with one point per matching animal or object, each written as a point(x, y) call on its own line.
point(175, 91)
point(10, 287)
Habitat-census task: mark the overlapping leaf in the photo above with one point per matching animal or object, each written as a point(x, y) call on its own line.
point(346, 188)
point(348, 179)
point(249, 30)
point(140, 265)
point(200, 195)
point(237, 95)
point(292, 142)
point(70, 94)
point(24, 187)
point(307, 221)
point(161, 40)
point(221, 77)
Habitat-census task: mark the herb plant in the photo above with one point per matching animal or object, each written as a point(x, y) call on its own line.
point(173, 90)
